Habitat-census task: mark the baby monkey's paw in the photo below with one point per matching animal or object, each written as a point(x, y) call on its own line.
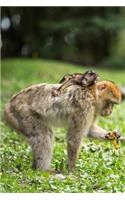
point(55, 92)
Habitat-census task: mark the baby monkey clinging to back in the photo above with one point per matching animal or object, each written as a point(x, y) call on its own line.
point(85, 80)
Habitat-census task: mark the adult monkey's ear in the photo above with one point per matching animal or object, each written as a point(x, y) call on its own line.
point(101, 86)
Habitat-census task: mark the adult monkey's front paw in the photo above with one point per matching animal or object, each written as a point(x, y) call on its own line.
point(113, 135)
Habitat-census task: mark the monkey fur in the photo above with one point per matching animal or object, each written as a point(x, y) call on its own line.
point(34, 112)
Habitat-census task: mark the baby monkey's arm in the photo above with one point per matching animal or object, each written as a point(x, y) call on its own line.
point(66, 81)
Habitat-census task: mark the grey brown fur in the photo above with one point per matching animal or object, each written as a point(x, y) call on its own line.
point(34, 112)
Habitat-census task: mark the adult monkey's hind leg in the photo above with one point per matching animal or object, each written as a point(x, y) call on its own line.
point(42, 145)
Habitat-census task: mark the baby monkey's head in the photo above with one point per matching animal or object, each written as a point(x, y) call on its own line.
point(89, 78)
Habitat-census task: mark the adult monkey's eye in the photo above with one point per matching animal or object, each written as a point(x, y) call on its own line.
point(116, 103)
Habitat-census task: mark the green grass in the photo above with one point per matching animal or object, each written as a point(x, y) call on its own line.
point(100, 168)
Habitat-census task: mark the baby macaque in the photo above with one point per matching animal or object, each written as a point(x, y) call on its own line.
point(84, 80)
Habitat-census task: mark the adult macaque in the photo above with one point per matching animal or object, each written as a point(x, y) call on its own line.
point(34, 112)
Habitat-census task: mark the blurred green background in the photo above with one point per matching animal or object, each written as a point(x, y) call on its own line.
point(82, 35)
